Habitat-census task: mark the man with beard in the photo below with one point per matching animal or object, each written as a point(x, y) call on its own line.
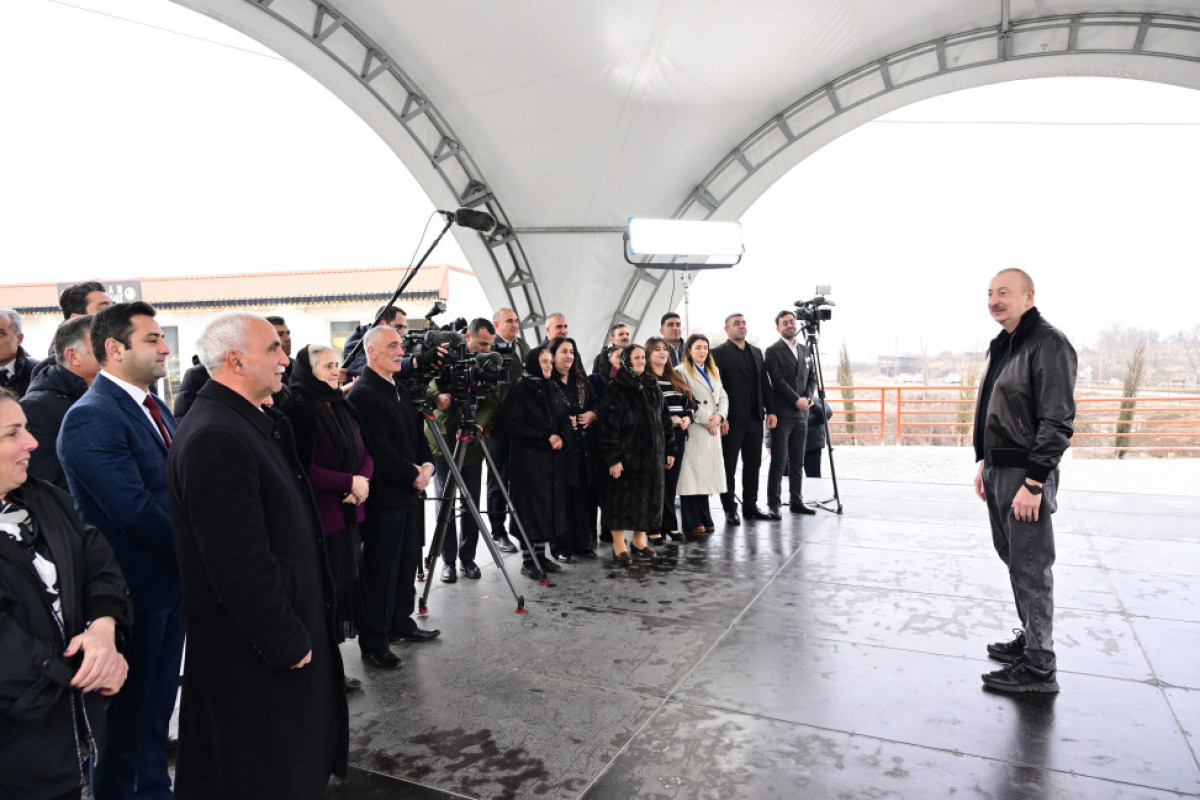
point(793, 387)
point(113, 447)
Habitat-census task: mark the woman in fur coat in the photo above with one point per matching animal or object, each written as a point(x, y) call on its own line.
point(635, 440)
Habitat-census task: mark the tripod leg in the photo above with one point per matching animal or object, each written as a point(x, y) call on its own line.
point(816, 356)
point(484, 533)
point(491, 462)
point(444, 515)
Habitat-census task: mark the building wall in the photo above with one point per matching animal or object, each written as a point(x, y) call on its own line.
point(309, 324)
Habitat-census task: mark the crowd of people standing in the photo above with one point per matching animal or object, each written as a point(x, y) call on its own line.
point(324, 459)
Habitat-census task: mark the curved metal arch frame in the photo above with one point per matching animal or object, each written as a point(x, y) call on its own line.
point(1156, 35)
point(347, 45)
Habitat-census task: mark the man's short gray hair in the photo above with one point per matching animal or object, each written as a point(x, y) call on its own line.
point(73, 334)
point(227, 332)
point(14, 319)
point(374, 335)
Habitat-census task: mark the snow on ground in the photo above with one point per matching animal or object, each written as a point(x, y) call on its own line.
point(956, 465)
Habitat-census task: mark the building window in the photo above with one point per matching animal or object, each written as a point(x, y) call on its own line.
point(174, 367)
point(339, 332)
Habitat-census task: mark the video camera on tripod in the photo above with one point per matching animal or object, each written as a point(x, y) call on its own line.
point(811, 313)
point(468, 377)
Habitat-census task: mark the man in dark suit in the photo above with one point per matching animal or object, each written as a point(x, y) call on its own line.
point(113, 447)
point(16, 367)
point(556, 326)
point(508, 342)
point(745, 379)
point(618, 336)
point(793, 387)
point(264, 706)
point(394, 529)
point(671, 329)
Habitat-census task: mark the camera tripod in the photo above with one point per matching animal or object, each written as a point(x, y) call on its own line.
point(812, 335)
point(467, 431)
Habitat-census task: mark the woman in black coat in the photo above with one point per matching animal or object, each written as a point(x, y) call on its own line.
point(634, 439)
point(579, 537)
point(63, 610)
point(682, 410)
point(535, 418)
point(330, 445)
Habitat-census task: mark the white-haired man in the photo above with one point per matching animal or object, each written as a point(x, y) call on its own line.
point(264, 704)
point(394, 528)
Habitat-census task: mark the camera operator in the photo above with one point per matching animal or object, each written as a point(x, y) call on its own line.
point(460, 545)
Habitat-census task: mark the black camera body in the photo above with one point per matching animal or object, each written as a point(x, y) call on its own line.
point(811, 313)
point(468, 377)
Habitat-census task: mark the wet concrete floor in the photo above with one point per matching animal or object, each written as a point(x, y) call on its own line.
point(817, 657)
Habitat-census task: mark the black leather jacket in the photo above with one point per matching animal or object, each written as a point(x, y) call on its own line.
point(1027, 417)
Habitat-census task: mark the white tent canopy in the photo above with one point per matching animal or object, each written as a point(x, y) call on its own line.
point(564, 119)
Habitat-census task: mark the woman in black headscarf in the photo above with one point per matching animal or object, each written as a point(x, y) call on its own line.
point(579, 538)
point(329, 441)
point(535, 418)
point(634, 440)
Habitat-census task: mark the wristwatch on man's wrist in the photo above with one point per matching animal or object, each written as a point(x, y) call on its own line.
point(1032, 488)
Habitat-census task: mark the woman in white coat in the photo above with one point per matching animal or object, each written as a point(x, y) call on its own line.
point(703, 471)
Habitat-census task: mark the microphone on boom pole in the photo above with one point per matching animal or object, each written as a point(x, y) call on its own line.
point(480, 221)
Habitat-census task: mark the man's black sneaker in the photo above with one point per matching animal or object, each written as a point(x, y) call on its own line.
point(1008, 652)
point(1022, 676)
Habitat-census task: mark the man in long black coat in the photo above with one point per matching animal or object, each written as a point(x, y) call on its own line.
point(264, 708)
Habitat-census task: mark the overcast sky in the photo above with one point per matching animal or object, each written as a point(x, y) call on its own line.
point(165, 143)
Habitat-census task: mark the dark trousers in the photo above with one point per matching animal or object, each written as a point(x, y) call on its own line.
point(695, 512)
point(787, 449)
point(392, 540)
point(580, 534)
point(134, 763)
point(461, 538)
point(812, 462)
point(497, 511)
point(669, 523)
point(1027, 549)
point(744, 439)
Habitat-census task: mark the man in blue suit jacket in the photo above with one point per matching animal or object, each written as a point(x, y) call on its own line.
point(113, 448)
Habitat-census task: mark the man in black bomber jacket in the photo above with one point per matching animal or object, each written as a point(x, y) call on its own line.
point(1023, 425)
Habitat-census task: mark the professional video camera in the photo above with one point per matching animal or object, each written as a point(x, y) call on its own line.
point(468, 377)
point(811, 313)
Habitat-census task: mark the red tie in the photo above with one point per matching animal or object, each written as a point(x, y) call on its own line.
point(149, 403)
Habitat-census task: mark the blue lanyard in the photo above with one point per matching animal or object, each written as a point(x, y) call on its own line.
point(704, 375)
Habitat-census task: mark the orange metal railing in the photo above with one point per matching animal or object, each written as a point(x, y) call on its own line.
point(945, 415)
